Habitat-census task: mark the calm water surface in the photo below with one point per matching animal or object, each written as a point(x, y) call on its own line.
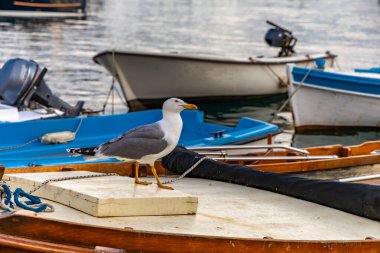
point(227, 27)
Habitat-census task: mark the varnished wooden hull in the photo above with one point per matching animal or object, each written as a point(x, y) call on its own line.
point(23, 233)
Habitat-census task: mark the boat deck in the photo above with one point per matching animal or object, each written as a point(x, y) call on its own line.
point(237, 211)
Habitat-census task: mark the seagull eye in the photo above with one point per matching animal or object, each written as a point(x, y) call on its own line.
point(176, 101)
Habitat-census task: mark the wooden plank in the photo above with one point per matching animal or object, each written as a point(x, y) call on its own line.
point(105, 196)
point(78, 235)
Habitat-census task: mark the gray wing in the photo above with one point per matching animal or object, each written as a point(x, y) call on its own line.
point(136, 143)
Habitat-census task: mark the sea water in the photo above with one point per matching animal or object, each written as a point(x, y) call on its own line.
point(233, 28)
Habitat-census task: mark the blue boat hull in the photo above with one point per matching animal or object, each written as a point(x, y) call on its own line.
point(95, 130)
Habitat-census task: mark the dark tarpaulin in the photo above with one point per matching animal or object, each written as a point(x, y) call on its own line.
point(359, 199)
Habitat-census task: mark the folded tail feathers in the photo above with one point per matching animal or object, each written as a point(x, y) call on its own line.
point(83, 151)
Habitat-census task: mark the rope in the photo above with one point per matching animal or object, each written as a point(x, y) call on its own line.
point(113, 88)
point(186, 172)
point(33, 203)
point(253, 60)
point(290, 96)
point(276, 75)
point(337, 64)
point(270, 150)
point(6, 198)
point(79, 125)
point(21, 200)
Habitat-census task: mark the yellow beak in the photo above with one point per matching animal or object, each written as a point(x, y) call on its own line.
point(190, 106)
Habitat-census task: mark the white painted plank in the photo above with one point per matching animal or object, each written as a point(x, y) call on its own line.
point(106, 196)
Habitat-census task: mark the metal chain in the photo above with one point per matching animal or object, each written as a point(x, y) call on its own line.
point(19, 146)
point(70, 178)
point(186, 172)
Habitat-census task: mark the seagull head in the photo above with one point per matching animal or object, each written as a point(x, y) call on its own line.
point(177, 105)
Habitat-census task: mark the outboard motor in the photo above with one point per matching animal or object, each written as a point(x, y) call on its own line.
point(21, 81)
point(281, 37)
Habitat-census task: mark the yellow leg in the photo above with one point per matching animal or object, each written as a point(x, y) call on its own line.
point(158, 180)
point(137, 181)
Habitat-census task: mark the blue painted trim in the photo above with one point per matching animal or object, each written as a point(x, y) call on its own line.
point(339, 81)
point(371, 70)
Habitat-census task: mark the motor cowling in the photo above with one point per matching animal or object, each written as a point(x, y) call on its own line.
point(281, 37)
point(21, 81)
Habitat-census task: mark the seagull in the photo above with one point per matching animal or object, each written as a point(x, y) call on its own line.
point(145, 144)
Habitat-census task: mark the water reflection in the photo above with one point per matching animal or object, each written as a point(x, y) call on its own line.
point(330, 137)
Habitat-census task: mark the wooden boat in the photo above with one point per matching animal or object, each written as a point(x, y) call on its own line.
point(230, 218)
point(279, 159)
point(148, 78)
point(23, 143)
point(43, 8)
point(324, 99)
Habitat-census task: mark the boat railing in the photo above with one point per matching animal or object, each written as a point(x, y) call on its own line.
point(220, 153)
point(272, 158)
point(360, 178)
point(247, 147)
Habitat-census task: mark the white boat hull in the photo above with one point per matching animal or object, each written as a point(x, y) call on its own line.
point(157, 76)
point(320, 107)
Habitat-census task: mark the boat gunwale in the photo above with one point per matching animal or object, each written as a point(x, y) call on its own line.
point(250, 60)
point(339, 76)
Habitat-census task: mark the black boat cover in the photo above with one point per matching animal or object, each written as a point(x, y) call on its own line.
point(358, 199)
